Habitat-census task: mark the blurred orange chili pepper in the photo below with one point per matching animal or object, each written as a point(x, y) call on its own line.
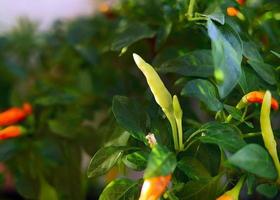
point(257, 97)
point(11, 132)
point(225, 197)
point(15, 114)
point(241, 2)
point(154, 187)
point(231, 11)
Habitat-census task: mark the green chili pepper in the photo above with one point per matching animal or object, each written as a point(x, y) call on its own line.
point(178, 114)
point(267, 132)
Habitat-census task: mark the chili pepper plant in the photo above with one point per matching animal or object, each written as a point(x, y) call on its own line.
point(206, 122)
point(170, 99)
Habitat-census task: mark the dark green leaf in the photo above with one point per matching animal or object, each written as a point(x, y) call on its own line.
point(130, 33)
point(265, 71)
point(276, 54)
point(161, 162)
point(163, 34)
point(227, 56)
point(197, 63)
point(130, 115)
point(235, 113)
point(204, 91)
point(121, 189)
point(103, 160)
point(267, 190)
point(224, 135)
point(254, 159)
point(136, 161)
point(206, 189)
point(8, 149)
point(251, 52)
point(193, 168)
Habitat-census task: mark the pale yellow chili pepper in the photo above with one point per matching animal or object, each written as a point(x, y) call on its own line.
point(178, 114)
point(160, 92)
point(267, 133)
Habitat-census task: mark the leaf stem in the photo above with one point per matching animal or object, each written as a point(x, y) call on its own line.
point(190, 9)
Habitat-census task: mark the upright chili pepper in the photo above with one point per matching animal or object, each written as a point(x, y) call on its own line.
point(234, 12)
point(154, 187)
point(233, 194)
point(267, 133)
point(11, 132)
point(15, 114)
point(160, 92)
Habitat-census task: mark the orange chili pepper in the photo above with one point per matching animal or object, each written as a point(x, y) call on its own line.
point(11, 132)
point(257, 97)
point(15, 114)
point(154, 187)
point(225, 197)
point(231, 11)
point(241, 2)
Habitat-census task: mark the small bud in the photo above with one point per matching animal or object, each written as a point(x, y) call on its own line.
point(151, 139)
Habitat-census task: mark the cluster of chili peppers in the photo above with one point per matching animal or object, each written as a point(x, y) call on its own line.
point(12, 116)
point(154, 187)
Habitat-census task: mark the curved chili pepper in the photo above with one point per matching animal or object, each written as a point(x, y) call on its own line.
point(11, 132)
point(154, 187)
point(267, 133)
point(257, 97)
point(241, 2)
point(15, 114)
point(232, 11)
point(225, 197)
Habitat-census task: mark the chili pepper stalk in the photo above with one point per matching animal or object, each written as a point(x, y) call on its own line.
point(160, 92)
point(267, 133)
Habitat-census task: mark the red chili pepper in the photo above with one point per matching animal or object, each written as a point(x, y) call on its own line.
point(231, 11)
point(241, 2)
point(11, 132)
point(225, 197)
point(154, 187)
point(257, 97)
point(15, 114)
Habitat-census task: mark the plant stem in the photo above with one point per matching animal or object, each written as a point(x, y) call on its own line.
point(248, 135)
point(180, 133)
point(194, 134)
point(190, 9)
point(172, 122)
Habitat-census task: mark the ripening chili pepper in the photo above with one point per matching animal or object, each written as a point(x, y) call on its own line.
point(267, 133)
point(241, 2)
point(15, 114)
point(154, 187)
point(257, 97)
point(11, 132)
point(233, 194)
point(232, 11)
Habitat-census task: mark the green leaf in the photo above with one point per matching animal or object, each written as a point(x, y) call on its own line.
point(47, 192)
point(104, 160)
point(197, 63)
point(129, 33)
point(276, 54)
point(206, 189)
point(130, 116)
point(136, 160)
point(267, 190)
point(163, 34)
point(204, 91)
point(55, 99)
point(224, 135)
point(235, 113)
point(265, 71)
point(8, 149)
point(254, 159)
point(193, 168)
point(121, 189)
point(251, 52)
point(161, 162)
point(227, 56)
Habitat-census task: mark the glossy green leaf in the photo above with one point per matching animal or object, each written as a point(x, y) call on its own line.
point(197, 63)
point(276, 54)
point(251, 52)
point(267, 190)
point(193, 168)
point(129, 33)
point(254, 159)
point(128, 116)
point(265, 71)
point(136, 160)
point(204, 91)
point(121, 189)
point(224, 135)
point(227, 56)
point(161, 162)
point(103, 160)
point(206, 189)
